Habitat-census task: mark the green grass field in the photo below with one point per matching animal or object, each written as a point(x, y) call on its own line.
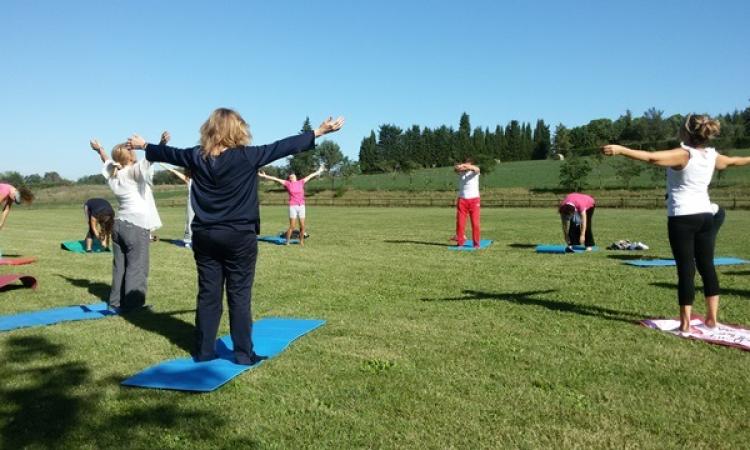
point(423, 347)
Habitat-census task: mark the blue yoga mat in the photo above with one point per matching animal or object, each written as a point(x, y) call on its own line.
point(560, 249)
point(469, 245)
point(270, 337)
point(277, 240)
point(80, 247)
point(53, 316)
point(722, 261)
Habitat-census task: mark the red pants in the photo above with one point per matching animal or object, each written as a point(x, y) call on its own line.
point(468, 206)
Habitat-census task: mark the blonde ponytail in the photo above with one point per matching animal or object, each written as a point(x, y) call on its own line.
point(699, 129)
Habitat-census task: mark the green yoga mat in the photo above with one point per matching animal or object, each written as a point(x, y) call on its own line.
point(80, 247)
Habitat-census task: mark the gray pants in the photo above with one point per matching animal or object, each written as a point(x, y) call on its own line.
point(189, 215)
point(130, 245)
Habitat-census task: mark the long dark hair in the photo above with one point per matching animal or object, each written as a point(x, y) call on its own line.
point(106, 222)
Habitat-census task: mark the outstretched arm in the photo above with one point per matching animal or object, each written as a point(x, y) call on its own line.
point(4, 214)
point(565, 229)
point(464, 167)
point(266, 154)
point(315, 174)
point(165, 137)
point(97, 147)
point(677, 158)
point(176, 173)
point(269, 177)
point(722, 161)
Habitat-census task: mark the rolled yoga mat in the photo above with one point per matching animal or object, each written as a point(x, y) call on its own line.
point(80, 247)
point(270, 337)
point(721, 261)
point(469, 245)
point(55, 315)
point(27, 280)
point(277, 240)
point(17, 261)
point(560, 249)
point(726, 335)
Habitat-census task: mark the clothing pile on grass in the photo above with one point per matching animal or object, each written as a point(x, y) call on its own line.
point(625, 244)
point(295, 234)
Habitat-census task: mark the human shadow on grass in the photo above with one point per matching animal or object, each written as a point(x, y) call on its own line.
point(178, 332)
point(723, 290)
point(630, 257)
point(436, 244)
point(528, 299)
point(12, 287)
point(519, 245)
point(44, 406)
point(41, 406)
point(738, 272)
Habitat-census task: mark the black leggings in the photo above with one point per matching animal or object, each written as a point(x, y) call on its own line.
point(692, 239)
point(574, 232)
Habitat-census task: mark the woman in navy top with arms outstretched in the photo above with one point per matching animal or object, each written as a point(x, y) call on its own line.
point(227, 220)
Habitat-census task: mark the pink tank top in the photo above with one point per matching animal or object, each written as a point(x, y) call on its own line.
point(4, 191)
point(296, 190)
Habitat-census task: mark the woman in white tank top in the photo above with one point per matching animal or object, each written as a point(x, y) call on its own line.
point(690, 214)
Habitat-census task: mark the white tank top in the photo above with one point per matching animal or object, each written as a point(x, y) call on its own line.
point(468, 184)
point(687, 189)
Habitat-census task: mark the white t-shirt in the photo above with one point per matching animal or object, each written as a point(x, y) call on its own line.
point(132, 187)
point(468, 184)
point(687, 189)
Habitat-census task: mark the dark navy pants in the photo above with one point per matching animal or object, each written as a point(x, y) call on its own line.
point(224, 258)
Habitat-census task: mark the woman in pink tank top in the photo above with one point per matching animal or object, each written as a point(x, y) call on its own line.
point(296, 190)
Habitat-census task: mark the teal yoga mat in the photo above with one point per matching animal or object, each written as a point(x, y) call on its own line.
point(721, 261)
point(270, 337)
point(469, 245)
point(55, 315)
point(80, 247)
point(277, 240)
point(560, 249)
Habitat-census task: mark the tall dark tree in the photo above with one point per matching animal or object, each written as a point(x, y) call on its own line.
point(513, 141)
point(368, 154)
point(542, 141)
point(302, 163)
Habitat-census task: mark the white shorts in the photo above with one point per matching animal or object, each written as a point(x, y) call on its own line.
point(296, 211)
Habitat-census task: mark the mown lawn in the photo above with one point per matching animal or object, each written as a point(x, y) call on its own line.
point(423, 347)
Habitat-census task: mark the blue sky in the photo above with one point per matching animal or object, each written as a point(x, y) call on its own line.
point(76, 70)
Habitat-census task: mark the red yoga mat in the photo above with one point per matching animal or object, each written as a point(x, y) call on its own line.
point(27, 280)
point(17, 261)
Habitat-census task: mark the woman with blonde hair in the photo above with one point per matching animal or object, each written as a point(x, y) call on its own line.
point(227, 219)
point(690, 222)
point(130, 180)
point(10, 195)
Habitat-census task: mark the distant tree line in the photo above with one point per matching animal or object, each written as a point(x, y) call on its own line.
point(395, 149)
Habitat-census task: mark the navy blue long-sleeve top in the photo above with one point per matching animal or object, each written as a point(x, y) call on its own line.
point(225, 188)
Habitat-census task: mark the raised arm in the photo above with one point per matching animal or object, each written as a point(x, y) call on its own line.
point(676, 158)
point(723, 161)
point(269, 177)
point(266, 154)
point(161, 153)
point(315, 174)
point(97, 147)
point(466, 167)
point(176, 173)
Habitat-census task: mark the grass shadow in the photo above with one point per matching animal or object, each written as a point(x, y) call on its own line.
point(178, 332)
point(738, 272)
point(40, 404)
point(12, 287)
point(519, 245)
point(436, 244)
point(723, 290)
point(528, 299)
